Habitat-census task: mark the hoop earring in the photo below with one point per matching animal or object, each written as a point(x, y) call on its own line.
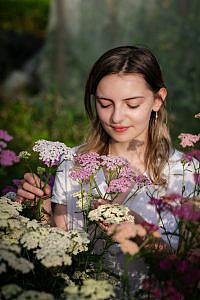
point(156, 116)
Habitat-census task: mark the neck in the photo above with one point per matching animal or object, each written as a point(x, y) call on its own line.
point(133, 151)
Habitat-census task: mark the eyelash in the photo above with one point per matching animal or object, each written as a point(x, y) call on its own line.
point(105, 106)
point(133, 107)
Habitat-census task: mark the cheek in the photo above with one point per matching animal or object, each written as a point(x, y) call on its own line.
point(102, 114)
point(141, 116)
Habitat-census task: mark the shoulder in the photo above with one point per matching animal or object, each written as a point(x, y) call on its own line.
point(178, 161)
point(180, 172)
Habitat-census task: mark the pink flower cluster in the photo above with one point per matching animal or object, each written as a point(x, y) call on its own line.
point(124, 234)
point(5, 136)
point(189, 156)
point(187, 212)
point(7, 157)
point(113, 162)
point(119, 174)
point(86, 165)
point(160, 204)
point(141, 180)
point(197, 116)
point(188, 139)
point(167, 291)
point(119, 185)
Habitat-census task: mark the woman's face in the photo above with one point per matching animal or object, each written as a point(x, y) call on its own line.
point(124, 104)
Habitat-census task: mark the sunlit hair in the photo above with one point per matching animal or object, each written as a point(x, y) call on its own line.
point(126, 60)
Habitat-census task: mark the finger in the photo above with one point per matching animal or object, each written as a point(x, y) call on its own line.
point(32, 189)
point(98, 202)
point(23, 194)
point(19, 199)
point(33, 179)
point(47, 190)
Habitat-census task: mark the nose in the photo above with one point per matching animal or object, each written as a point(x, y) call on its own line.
point(117, 115)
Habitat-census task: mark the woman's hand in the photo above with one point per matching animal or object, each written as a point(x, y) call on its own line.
point(29, 188)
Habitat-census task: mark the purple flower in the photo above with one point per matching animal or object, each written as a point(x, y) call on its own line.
point(141, 180)
point(187, 212)
point(80, 174)
point(90, 161)
point(112, 163)
point(3, 145)
point(182, 266)
point(8, 158)
point(160, 204)
point(197, 178)
point(87, 158)
point(189, 156)
point(17, 182)
point(119, 185)
point(5, 136)
point(168, 262)
point(8, 189)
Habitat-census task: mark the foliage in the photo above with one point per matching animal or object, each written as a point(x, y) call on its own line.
point(29, 121)
point(24, 15)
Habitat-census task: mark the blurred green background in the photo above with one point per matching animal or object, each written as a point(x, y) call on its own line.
point(48, 47)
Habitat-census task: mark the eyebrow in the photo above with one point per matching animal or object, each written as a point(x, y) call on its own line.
point(130, 98)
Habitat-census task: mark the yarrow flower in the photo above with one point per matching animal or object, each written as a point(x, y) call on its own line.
point(24, 155)
point(119, 185)
point(197, 178)
point(113, 162)
point(5, 136)
point(151, 229)
point(197, 116)
point(81, 174)
point(124, 233)
point(189, 156)
point(160, 204)
point(188, 139)
point(8, 158)
point(13, 291)
point(51, 152)
point(88, 158)
point(110, 214)
point(142, 180)
point(186, 211)
point(91, 289)
point(82, 201)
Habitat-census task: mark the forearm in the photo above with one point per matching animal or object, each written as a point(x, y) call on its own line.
point(59, 216)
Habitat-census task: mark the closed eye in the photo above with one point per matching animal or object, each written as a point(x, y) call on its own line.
point(104, 102)
point(133, 106)
point(104, 106)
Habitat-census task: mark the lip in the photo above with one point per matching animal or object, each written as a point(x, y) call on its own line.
point(120, 129)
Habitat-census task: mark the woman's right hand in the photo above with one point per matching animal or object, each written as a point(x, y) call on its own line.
point(29, 188)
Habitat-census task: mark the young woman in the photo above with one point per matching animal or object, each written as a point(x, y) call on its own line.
point(125, 99)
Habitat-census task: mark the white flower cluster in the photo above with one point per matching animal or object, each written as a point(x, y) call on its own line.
point(91, 289)
point(110, 214)
point(83, 200)
point(13, 291)
point(51, 245)
point(24, 155)
point(10, 258)
point(51, 152)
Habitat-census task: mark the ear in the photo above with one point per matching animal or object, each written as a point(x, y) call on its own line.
point(159, 99)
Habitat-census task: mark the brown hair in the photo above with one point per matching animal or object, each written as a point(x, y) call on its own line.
point(130, 59)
